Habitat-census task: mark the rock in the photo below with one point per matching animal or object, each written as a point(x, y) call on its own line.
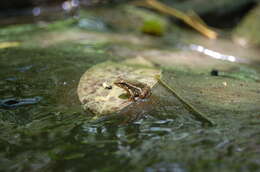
point(127, 18)
point(97, 92)
point(247, 32)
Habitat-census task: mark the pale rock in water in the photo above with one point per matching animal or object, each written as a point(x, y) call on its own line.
point(98, 93)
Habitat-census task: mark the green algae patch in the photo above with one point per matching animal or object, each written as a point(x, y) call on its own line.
point(153, 27)
point(28, 31)
point(148, 22)
point(151, 23)
point(98, 93)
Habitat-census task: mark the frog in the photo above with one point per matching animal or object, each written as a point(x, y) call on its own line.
point(136, 90)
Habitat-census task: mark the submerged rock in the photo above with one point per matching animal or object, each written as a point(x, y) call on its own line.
point(15, 102)
point(98, 93)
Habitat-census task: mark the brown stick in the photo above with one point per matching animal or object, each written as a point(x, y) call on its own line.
point(192, 21)
point(196, 113)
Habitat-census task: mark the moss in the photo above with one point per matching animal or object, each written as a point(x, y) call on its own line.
point(151, 23)
point(28, 31)
point(153, 27)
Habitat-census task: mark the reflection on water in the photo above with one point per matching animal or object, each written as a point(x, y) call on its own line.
point(217, 55)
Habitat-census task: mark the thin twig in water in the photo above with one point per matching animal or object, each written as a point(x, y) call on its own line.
point(197, 114)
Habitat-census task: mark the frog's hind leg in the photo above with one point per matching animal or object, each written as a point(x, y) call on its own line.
point(146, 93)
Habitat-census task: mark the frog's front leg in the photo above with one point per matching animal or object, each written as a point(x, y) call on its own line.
point(132, 95)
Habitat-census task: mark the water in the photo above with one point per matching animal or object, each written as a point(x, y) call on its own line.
point(55, 134)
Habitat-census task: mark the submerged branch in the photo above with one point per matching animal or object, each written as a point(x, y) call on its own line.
point(194, 20)
point(197, 114)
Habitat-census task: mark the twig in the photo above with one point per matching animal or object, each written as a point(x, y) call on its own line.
point(197, 114)
point(193, 21)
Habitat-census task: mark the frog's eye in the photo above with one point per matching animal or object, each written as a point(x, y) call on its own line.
point(119, 82)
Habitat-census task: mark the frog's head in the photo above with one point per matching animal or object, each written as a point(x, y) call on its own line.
point(119, 81)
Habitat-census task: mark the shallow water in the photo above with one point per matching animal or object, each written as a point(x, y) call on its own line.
point(55, 134)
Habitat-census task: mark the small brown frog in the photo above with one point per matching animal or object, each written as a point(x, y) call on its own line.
point(135, 89)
